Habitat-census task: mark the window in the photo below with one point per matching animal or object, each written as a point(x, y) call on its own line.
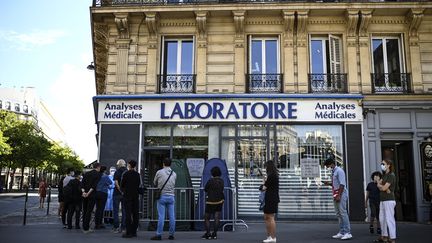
point(178, 57)
point(25, 108)
point(7, 105)
point(264, 55)
point(326, 55)
point(17, 107)
point(1, 104)
point(388, 65)
point(326, 65)
point(386, 55)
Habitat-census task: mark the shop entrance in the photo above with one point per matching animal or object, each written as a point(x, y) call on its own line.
point(400, 152)
point(153, 162)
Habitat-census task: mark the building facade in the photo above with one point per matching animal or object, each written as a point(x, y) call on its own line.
point(296, 82)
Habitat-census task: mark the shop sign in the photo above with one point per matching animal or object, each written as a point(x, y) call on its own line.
point(195, 166)
point(229, 110)
point(426, 159)
point(310, 168)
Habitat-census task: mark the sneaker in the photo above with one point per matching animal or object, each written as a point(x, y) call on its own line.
point(206, 236)
point(270, 240)
point(346, 236)
point(171, 237)
point(156, 237)
point(214, 236)
point(337, 236)
point(87, 231)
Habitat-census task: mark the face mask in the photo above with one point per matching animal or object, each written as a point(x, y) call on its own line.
point(383, 167)
point(72, 173)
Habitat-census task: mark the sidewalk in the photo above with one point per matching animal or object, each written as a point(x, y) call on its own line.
point(286, 232)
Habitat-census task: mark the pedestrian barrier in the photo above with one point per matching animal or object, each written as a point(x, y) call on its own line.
point(190, 208)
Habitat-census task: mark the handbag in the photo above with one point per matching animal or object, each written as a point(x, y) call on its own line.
point(157, 194)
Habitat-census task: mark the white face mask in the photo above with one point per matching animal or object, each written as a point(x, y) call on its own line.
point(383, 167)
point(72, 173)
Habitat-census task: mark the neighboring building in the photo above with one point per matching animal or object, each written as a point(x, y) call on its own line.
point(28, 106)
point(248, 81)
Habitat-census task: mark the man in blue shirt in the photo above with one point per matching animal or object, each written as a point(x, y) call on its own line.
point(340, 199)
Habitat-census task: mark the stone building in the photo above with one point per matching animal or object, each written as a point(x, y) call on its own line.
point(296, 82)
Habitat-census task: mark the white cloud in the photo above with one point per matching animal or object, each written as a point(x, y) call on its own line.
point(71, 101)
point(27, 41)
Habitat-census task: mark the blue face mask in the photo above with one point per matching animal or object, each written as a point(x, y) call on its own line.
point(383, 167)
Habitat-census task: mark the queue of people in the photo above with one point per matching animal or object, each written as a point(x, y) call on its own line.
point(92, 190)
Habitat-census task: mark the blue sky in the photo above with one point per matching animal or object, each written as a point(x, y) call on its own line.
point(46, 44)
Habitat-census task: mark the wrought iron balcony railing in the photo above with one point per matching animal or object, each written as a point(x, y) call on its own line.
point(391, 83)
point(264, 83)
point(176, 83)
point(328, 83)
point(101, 3)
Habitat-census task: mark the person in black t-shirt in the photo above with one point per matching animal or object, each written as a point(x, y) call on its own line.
point(130, 187)
point(373, 196)
point(118, 198)
point(73, 200)
point(214, 189)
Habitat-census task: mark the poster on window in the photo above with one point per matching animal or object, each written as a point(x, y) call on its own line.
point(426, 158)
point(195, 166)
point(310, 168)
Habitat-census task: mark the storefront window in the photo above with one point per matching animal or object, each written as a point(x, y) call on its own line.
point(157, 135)
point(190, 141)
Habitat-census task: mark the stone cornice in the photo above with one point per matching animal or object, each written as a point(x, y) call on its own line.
point(239, 23)
point(121, 20)
point(302, 17)
point(152, 22)
point(365, 19)
point(177, 23)
point(201, 23)
point(414, 18)
point(263, 21)
point(288, 20)
point(352, 18)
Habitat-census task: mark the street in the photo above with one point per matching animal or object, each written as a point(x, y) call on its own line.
point(48, 228)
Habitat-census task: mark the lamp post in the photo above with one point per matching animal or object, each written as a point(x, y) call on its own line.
point(91, 66)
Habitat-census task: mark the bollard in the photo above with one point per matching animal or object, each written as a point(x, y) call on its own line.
point(25, 206)
point(49, 199)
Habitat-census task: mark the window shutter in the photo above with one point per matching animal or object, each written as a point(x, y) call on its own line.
point(335, 54)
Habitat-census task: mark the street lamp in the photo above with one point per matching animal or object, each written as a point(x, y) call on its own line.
point(91, 66)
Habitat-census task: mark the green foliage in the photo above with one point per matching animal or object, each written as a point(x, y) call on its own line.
point(22, 144)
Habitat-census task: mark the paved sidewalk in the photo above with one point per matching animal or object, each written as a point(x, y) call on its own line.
point(286, 232)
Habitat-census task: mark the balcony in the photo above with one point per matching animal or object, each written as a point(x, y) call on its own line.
point(176, 83)
point(264, 83)
point(328, 83)
point(100, 3)
point(387, 83)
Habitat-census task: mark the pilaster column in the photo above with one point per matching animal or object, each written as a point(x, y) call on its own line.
point(365, 51)
point(414, 18)
point(302, 59)
point(352, 17)
point(122, 44)
point(152, 27)
point(201, 63)
point(239, 52)
point(288, 51)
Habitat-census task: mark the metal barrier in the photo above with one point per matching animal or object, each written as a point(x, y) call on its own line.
point(189, 207)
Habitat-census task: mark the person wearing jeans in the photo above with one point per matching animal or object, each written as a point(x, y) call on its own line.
point(118, 198)
point(340, 199)
point(165, 180)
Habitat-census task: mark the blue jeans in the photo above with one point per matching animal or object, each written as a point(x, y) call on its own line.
point(166, 202)
point(342, 213)
point(117, 199)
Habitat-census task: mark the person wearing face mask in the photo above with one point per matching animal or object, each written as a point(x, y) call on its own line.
point(340, 199)
point(372, 196)
point(387, 186)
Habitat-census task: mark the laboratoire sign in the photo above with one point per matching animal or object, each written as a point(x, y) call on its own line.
point(229, 110)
